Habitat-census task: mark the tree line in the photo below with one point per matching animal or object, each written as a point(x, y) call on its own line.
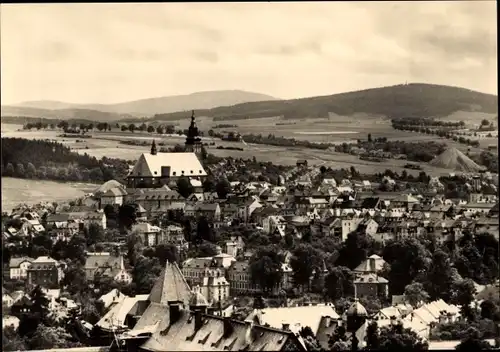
point(39, 159)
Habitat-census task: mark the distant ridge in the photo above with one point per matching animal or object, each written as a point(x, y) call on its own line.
point(399, 101)
point(454, 159)
point(151, 106)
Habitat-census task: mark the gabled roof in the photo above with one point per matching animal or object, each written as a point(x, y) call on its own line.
point(15, 262)
point(372, 264)
point(180, 164)
point(171, 286)
point(297, 317)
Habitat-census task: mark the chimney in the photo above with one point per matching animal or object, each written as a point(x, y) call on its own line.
point(198, 320)
point(286, 327)
point(327, 322)
point(175, 312)
point(248, 331)
point(228, 327)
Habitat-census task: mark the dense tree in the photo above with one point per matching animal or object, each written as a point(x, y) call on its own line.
point(339, 282)
point(265, 269)
point(223, 188)
point(94, 234)
point(489, 309)
point(75, 279)
point(473, 342)
point(463, 293)
point(355, 249)
point(415, 293)
point(305, 260)
point(439, 277)
point(11, 341)
point(144, 273)
point(127, 215)
point(46, 338)
point(166, 252)
point(397, 338)
point(184, 187)
point(407, 259)
point(132, 127)
point(204, 231)
point(134, 247)
point(372, 338)
point(209, 184)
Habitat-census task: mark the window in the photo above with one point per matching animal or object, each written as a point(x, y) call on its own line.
point(182, 172)
point(201, 172)
point(174, 173)
point(191, 171)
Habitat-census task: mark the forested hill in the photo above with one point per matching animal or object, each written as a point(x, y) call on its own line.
point(39, 159)
point(411, 100)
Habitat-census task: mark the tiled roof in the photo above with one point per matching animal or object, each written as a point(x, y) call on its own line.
point(115, 317)
point(182, 336)
point(370, 278)
point(297, 317)
point(372, 264)
point(101, 261)
point(16, 262)
point(171, 286)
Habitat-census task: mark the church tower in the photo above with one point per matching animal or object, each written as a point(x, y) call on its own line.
point(153, 148)
point(193, 140)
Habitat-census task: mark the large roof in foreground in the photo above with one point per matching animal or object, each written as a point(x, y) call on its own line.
point(181, 164)
point(171, 286)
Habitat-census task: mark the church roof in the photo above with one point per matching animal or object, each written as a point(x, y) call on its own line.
point(171, 286)
point(181, 164)
point(356, 309)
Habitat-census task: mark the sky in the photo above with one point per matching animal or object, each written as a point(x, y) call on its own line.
point(110, 53)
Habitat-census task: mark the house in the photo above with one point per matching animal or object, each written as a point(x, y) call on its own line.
point(374, 264)
point(45, 272)
point(248, 208)
point(21, 306)
point(157, 200)
point(213, 285)
point(18, 267)
point(271, 223)
point(371, 285)
point(151, 235)
point(113, 196)
point(7, 300)
point(10, 320)
point(106, 265)
point(175, 235)
point(96, 218)
point(211, 211)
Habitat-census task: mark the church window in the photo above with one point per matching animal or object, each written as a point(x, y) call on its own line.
point(182, 172)
point(173, 173)
point(201, 172)
point(191, 171)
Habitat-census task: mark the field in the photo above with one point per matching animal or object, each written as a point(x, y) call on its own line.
point(334, 129)
point(15, 191)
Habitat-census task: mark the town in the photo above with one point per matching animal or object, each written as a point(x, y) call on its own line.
point(178, 257)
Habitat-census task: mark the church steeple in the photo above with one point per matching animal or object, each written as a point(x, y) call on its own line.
point(193, 140)
point(153, 148)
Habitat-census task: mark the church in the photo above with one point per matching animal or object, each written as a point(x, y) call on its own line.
point(156, 169)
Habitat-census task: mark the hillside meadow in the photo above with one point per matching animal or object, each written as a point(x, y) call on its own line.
point(16, 191)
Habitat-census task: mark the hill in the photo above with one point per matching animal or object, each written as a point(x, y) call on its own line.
point(454, 159)
point(400, 101)
point(147, 107)
point(62, 114)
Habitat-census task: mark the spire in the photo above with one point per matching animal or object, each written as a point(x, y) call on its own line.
point(171, 286)
point(153, 148)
